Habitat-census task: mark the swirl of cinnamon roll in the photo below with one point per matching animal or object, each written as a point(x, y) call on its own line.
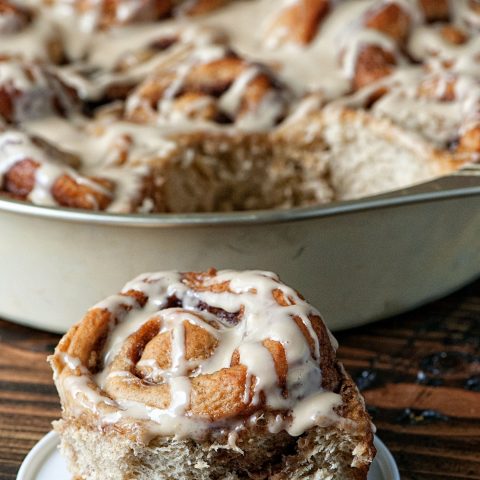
point(373, 51)
point(211, 358)
point(31, 169)
point(116, 77)
point(449, 102)
point(210, 83)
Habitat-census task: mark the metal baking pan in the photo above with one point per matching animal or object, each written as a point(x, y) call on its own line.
point(356, 261)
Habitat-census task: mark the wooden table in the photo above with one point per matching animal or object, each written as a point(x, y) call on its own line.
point(420, 374)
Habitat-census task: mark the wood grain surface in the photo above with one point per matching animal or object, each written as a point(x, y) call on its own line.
point(419, 372)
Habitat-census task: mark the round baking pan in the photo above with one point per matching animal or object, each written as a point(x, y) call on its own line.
point(356, 261)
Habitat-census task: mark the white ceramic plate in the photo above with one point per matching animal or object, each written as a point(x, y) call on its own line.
point(45, 463)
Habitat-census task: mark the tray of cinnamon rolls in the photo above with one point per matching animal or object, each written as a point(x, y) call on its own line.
point(334, 142)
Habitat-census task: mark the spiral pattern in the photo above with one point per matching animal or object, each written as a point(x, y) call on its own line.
point(199, 348)
point(210, 84)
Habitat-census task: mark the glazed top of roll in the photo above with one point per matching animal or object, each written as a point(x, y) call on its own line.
point(177, 354)
point(120, 84)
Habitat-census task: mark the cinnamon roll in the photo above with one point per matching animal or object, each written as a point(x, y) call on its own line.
point(212, 375)
point(36, 171)
point(447, 106)
point(363, 152)
point(210, 84)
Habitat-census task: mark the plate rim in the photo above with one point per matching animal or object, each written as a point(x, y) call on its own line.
point(49, 442)
point(37, 455)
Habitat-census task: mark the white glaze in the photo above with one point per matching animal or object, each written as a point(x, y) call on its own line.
point(121, 152)
point(33, 41)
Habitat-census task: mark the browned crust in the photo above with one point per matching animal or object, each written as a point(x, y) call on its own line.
point(198, 99)
point(390, 19)
point(298, 22)
point(454, 35)
point(469, 141)
point(144, 10)
point(200, 7)
point(436, 10)
point(358, 427)
point(19, 181)
point(373, 64)
point(353, 408)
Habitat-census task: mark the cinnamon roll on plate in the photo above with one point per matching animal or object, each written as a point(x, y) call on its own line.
point(212, 375)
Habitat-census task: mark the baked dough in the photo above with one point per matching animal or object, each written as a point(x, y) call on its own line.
point(180, 106)
point(210, 375)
